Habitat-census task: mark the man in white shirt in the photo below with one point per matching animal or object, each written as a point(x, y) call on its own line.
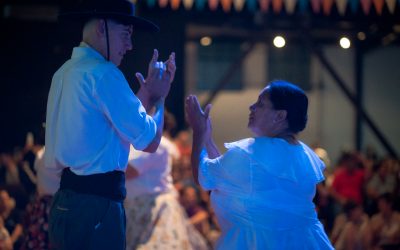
point(92, 119)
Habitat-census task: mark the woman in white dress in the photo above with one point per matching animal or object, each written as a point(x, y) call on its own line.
point(155, 219)
point(262, 188)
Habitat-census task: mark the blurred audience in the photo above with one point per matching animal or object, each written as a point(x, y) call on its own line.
point(359, 202)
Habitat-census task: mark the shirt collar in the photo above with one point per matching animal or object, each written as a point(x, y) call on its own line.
point(85, 50)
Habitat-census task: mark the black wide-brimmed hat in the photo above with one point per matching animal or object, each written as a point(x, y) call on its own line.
point(121, 11)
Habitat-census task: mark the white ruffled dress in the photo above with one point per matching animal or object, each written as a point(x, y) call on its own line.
point(262, 191)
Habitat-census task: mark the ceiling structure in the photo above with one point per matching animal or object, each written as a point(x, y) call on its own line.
point(370, 24)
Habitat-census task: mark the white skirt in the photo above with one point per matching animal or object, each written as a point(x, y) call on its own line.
point(159, 222)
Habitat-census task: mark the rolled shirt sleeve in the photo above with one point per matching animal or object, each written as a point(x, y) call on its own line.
point(124, 110)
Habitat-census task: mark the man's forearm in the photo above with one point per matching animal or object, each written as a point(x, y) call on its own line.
point(158, 118)
point(147, 101)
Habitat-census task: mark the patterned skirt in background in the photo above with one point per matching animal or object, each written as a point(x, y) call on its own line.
point(159, 222)
point(37, 224)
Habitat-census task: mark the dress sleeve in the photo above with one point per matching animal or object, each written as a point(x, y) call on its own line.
point(209, 171)
point(124, 110)
point(229, 172)
point(317, 165)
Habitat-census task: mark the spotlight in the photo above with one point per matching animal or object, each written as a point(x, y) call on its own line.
point(361, 36)
point(345, 43)
point(205, 41)
point(279, 42)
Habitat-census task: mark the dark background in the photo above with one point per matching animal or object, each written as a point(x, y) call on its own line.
point(32, 50)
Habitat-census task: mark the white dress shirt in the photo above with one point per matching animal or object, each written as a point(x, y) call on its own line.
point(93, 116)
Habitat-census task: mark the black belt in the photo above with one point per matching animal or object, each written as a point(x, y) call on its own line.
point(110, 185)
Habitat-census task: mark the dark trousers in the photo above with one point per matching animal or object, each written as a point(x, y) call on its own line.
point(85, 221)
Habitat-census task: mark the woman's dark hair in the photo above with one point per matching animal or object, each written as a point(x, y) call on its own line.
point(289, 97)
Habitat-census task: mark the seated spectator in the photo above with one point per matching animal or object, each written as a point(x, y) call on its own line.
point(14, 179)
point(5, 239)
point(198, 215)
point(10, 171)
point(348, 181)
point(182, 169)
point(385, 225)
point(183, 141)
point(382, 181)
point(351, 228)
point(36, 221)
point(12, 218)
point(323, 199)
